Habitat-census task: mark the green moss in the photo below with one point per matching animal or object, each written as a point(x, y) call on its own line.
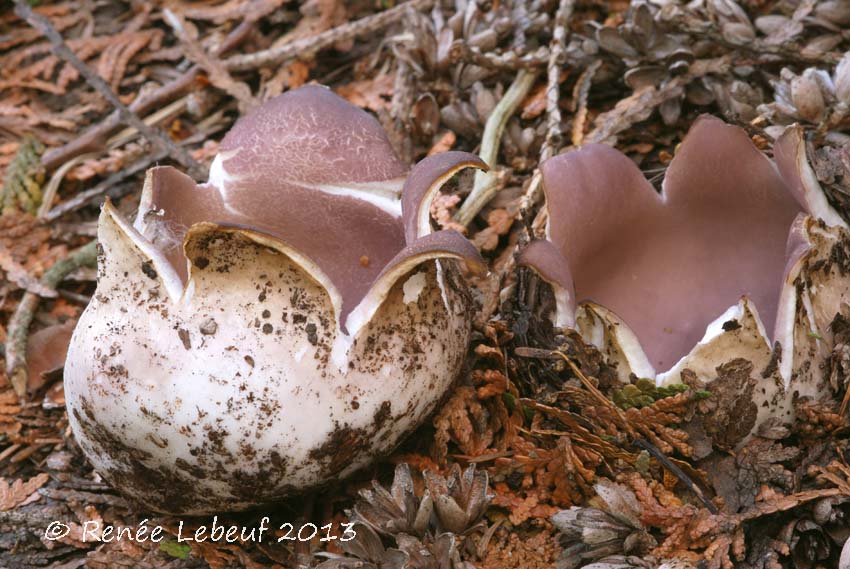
point(644, 392)
point(24, 179)
point(642, 462)
point(174, 549)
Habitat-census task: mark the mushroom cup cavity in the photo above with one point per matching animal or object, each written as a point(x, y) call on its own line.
point(734, 259)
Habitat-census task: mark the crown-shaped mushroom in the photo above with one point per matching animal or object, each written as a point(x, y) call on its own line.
point(671, 281)
point(276, 327)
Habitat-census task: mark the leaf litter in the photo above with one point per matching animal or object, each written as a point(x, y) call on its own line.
point(539, 457)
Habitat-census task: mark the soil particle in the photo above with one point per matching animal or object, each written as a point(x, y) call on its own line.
point(773, 364)
point(381, 415)
point(148, 270)
point(312, 336)
point(185, 338)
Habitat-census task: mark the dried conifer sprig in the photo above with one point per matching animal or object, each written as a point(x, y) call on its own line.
point(23, 179)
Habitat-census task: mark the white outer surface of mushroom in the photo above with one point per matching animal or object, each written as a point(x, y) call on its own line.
point(298, 333)
point(226, 397)
point(844, 561)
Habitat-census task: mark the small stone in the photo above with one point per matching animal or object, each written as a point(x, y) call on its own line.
point(209, 327)
point(59, 460)
point(148, 270)
point(312, 335)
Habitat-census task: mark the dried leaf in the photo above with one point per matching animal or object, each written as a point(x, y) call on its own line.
point(17, 274)
point(444, 143)
point(20, 493)
point(499, 222)
point(46, 351)
point(374, 94)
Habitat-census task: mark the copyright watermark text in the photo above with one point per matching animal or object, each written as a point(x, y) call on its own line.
point(96, 531)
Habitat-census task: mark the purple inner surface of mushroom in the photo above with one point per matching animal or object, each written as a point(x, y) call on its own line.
point(670, 264)
point(315, 172)
point(286, 164)
point(350, 240)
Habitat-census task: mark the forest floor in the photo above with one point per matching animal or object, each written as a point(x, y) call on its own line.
point(551, 432)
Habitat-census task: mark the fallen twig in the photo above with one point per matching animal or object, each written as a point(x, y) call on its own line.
point(599, 395)
point(580, 94)
point(18, 274)
point(792, 51)
point(39, 22)
point(677, 472)
point(19, 323)
point(400, 109)
point(557, 48)
point(486, 182)
point(310, 45)
point(639, 105)
point(52, 186)
point(162, 114)
point(95, 137)
point(218, 75)
point(460, 51)
point(84, 198)
point(536, 353)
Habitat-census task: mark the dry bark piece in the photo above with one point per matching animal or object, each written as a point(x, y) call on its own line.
point(295, 249)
